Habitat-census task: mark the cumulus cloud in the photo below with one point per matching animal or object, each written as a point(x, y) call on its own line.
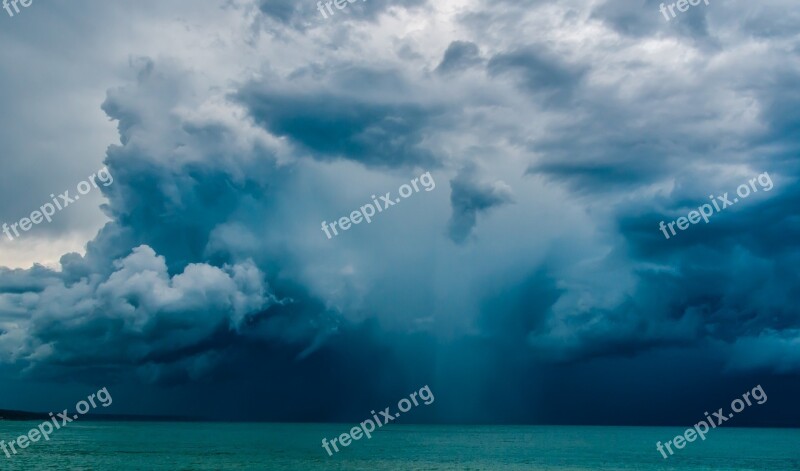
point(138, 311)
point(137, 297)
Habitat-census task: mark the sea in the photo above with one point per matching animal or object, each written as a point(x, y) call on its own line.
point(188, 446)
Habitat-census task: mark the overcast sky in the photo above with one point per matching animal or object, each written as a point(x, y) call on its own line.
point(531, 285)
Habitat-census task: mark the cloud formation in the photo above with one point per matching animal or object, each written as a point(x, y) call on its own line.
point(559, 134)
point(469, 196)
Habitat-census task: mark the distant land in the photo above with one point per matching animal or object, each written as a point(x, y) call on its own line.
point(6, 414)
point(20, 415)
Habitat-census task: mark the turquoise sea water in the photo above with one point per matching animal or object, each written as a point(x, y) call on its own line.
point(297, 447)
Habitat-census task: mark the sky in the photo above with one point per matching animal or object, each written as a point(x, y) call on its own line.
point(529, 281)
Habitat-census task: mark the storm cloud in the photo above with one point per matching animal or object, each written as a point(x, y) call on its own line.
point(559, 135)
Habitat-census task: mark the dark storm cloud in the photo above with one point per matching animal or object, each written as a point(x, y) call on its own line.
point(145, 296)
point(281, 10)
point(34, 279)
point(458, 56)
point(603, 160)
point(780, 98)
point(213, 277)
point(641, 18)
point(302, 14)
point(542, 73)
point(634, 158)
point(386, 130)
point(736, 289)
point(744, 286)
point(470, 195)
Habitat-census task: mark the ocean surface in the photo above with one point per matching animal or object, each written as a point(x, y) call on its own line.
point(297, 447)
